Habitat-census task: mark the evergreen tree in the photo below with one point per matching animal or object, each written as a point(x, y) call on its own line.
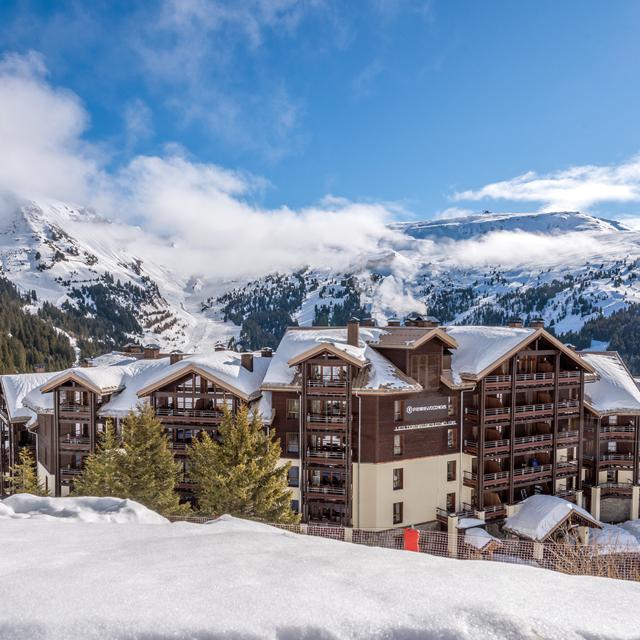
point(149, 472)
point(241, 475)
point(24, 476)
point(102, 473)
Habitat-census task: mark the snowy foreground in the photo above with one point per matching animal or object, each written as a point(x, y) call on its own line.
point(107, 568)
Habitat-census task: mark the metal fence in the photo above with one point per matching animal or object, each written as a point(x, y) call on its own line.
point(610, 561)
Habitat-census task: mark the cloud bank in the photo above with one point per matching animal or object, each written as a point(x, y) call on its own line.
point(574, 189)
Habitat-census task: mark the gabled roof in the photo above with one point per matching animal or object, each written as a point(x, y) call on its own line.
point(411, 337)
point(376, 373)
point(221, 367)
point(16, 387)
point(101, 380)
point(539, 516)
point(482, 349)
point(614, 390)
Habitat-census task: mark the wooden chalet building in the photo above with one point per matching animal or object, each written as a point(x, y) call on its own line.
point(612, 438)
point(523, 397)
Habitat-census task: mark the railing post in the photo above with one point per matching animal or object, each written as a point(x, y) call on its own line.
point(595, 502)
point(452, 537)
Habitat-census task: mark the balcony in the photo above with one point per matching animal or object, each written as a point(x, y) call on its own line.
point(566, 468)
point(68, 472)
point(73, 407)
point(323, 456)
point(326, 386)
point(494, 512)
point(317, 420)
point(497, 448)
point(568, 438)
point(526, 475)
point(75, 443)
point(180, 413)
point(568, 494)
point(624, 460)
point(622, 489)
point(326, 491)
point(617, 432)
point(524, 412)
point(491, 480)
point(442, 515)
point(524, 380)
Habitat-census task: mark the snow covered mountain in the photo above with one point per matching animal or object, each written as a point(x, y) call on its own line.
point(568, 267)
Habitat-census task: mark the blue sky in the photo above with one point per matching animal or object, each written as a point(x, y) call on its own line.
point(408, 103)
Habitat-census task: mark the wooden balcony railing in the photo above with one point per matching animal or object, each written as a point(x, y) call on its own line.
point(74, 440)
point(530, 471)
point(326, 383)
point(533, 379)
point(322, 418)
point(72, 407)
point(326, 455)
point(326, 490)
point(70, 471)
point(188, 413)
point(565, 406)
point(494, 512)
point(567, 467)
point(616, 459)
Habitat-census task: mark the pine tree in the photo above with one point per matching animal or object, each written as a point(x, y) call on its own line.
point(24, 477)
point(241, 475)
point(149, 472)
point(102, 472)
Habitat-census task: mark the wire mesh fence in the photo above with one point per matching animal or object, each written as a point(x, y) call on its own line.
point(610, 561)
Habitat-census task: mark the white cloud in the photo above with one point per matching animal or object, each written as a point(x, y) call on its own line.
point(576, 188)
point(202, 209)
point(453, 212)
point(138, 120)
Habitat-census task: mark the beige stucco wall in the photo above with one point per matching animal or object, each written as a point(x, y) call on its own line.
point(425, 487)
point(45, 478)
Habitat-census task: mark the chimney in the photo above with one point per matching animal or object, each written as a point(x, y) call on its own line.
point(151, 352)
point(219, 347)
point(353, 332)
point(393, 322)
point(367, 322)
point(246, 359)
point(266, 352)
point(430, 321)
point(175, 356)
point(39, 368)
point(537, 323)
point(515, 323)
point(86, 363)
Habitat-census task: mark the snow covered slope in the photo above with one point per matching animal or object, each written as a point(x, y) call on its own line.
point(233, 579)
point(566, 267)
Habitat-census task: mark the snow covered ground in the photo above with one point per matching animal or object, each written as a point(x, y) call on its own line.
point(231, 579)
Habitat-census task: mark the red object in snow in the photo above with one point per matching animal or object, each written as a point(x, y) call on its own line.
point(411, 538)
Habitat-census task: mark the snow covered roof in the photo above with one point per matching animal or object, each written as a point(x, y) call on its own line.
point(614, 539)
point(410, 337)
point(468, 523)
point(480, 348)
point(614, 390)
point(16, 388)
point(101, 380)
point(539, 516)
point(298, 343)
point(222, 367)
point(480, 539)
point(113, 358)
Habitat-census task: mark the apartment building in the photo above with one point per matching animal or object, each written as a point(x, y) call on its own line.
point(412, 423)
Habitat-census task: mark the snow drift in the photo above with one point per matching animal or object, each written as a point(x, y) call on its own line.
point(233, 579)
point(25, 506)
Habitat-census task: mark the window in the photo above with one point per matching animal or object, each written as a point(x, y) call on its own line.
point(293, 443)
point(453, 406)
point(613, 420)
point(295, 506)
point(452, 438)
point(612, 446)
point(451, 502)
point(398, 410)
point(293, 409)
point(397, 512)
point(426, 370)
point(293, 476)
point(397, 444)
point(451, 470)
point(398, 479)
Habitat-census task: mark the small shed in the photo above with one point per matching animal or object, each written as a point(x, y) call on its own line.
point(543, 518)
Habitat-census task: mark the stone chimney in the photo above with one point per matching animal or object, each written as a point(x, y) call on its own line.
point(219, 347)
point(151, 352)
point(175, 356)
point(353, 332)
point(515, 323)
point(537, 323)
point(266, 352)
point(246, 359)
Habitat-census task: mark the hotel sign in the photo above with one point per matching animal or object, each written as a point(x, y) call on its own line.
point(411, 409)
point(426, 425)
